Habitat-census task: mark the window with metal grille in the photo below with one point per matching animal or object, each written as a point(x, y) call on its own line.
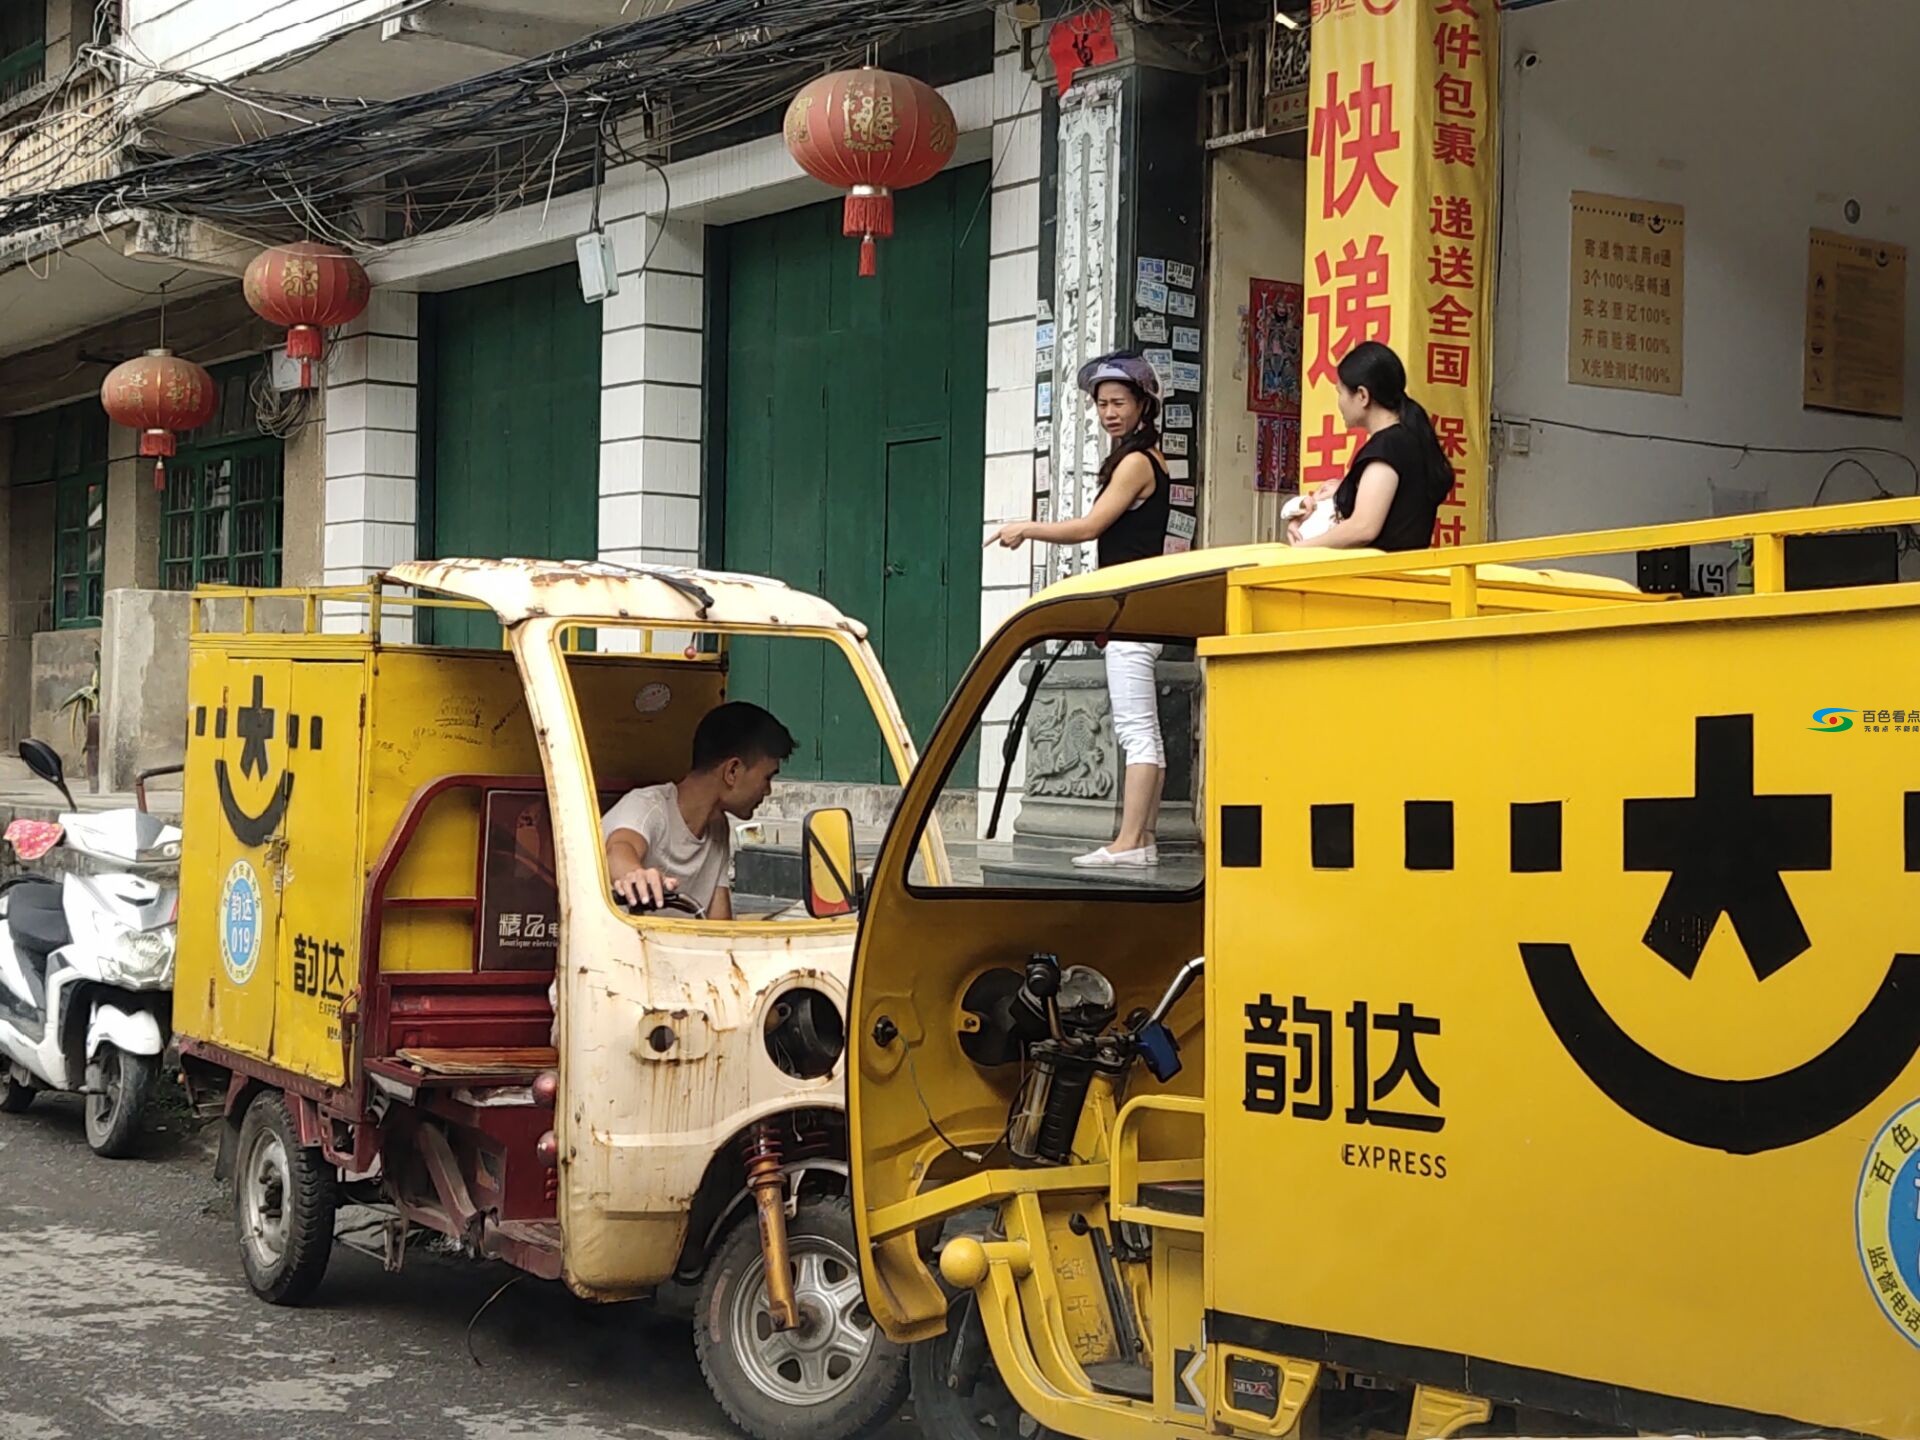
point(67, 448)
point(220, 514)
point(23, 46)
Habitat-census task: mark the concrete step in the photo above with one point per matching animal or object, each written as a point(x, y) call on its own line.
point(772, 865)
point(25, 796)
point(872, 806)
point(778, 870)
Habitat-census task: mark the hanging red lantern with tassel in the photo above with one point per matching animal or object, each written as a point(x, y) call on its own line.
point(159, 394)
point(306, 287)
point(872, 132)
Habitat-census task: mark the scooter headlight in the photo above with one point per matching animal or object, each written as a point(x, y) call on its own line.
point(140, 959)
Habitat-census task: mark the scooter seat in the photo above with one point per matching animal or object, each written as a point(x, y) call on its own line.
point(32, 890)
point(36, 919)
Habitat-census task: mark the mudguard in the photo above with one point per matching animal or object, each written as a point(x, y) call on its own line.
point(136, 1032)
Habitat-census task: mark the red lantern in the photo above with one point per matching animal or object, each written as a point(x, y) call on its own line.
point(157, 394)
point(306, 287)
point(873, 132)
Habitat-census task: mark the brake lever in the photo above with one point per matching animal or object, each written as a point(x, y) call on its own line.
point(1182, 982)
point(1153, 1041)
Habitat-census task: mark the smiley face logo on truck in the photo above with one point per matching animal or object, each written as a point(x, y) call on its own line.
point(1727, 852)
point(256, 723)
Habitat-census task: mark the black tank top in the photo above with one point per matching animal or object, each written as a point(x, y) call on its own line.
point(1416, 499)
point(1141, 532)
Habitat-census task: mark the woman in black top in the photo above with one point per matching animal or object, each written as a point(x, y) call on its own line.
point(1128, 521)
point(1395, 485)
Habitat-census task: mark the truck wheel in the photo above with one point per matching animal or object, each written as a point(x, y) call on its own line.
point(837, 1377)
point(15, 1097)
point(988, 1412)
point(283, 1205)
point(113, 1111)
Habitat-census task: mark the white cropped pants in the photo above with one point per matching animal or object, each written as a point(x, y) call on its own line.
point(1135, 695)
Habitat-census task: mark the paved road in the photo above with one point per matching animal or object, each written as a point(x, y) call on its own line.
point(123, 1313)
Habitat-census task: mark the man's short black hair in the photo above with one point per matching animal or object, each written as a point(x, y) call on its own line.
point(739, 731)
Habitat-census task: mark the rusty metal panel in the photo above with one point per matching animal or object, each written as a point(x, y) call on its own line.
point(673, 598)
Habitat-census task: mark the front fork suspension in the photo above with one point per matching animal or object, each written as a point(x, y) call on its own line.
point(769, 1188)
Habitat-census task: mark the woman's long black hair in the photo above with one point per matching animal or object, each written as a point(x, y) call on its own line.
point(1145, 435)
point(1376, 369)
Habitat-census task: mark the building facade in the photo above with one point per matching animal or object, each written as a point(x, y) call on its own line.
point(1123, 177)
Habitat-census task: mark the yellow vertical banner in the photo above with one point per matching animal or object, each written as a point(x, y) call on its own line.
point(1402, 183)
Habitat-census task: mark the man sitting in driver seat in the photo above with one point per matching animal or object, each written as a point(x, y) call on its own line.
point(674, 838)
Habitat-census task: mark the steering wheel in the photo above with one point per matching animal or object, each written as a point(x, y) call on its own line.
point(675, 901)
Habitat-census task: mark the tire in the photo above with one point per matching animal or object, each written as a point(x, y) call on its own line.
point(15, 1097)
point(284, 1197)
point(988, 1413)
point(793, 1387)
point(113, 1113)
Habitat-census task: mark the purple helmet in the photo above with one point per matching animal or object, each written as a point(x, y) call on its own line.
point(1132, 369)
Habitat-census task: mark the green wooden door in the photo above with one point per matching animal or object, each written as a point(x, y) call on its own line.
point(514, 449)
point(855, 441)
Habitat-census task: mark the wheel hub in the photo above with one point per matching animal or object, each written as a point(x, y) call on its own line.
point(263, 1198)
point(815, 1330)
point(817, 1360)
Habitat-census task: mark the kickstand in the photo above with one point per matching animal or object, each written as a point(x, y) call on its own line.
point(394, 1243)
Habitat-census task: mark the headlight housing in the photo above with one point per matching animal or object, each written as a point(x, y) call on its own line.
point(805, 1033)
point(138, 959)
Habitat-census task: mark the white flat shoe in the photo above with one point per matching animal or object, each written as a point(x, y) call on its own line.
point(1105, 859)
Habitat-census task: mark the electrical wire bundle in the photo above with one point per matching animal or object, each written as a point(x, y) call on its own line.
point(497, 141)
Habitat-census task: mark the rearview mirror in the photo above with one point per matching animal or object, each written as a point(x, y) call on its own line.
point(826, 849)
point(44, 761)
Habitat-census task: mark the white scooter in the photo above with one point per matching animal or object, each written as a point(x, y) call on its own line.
point(86, 963)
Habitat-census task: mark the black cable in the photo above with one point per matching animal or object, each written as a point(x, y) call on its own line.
point(486, 1305)
point(980, 1157)
point(121, 284)
point(599, 167)
point(1862, 467)
point(708, 54)
point(1735, 446)
point(1908, 535)
point(998, 165)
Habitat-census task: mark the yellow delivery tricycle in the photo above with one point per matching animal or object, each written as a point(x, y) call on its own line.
point(1551, 1066)
point(404, 980)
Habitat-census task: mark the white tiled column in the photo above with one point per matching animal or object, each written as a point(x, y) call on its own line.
point(650, 375)
point(1014, 284)
point(372, 446)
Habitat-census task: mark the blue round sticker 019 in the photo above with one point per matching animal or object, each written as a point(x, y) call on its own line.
point(1887, 1219)
point(240, 922)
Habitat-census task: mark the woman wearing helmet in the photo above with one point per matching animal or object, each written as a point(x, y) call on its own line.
point(1128, 521)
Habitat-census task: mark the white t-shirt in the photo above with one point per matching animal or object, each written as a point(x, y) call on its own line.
point(701, 863)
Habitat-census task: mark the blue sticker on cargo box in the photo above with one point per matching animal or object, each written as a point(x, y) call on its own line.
point(1887, 1220)
point(240, 922)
